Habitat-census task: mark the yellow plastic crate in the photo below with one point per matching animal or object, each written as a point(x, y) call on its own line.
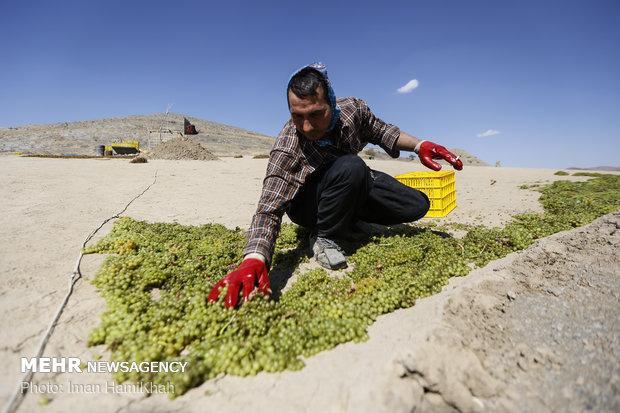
point(439, 187)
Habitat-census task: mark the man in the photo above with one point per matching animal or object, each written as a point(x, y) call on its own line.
point(316, 177)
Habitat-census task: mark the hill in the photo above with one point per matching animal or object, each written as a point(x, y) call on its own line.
point(82, 137)
point(598, 168)
point(466, 158)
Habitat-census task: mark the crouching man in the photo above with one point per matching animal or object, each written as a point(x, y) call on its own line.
point(315, 176)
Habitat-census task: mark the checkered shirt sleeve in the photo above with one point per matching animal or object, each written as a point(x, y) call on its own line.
point(293, 158)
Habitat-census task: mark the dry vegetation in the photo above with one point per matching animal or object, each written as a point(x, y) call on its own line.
point(81, 138)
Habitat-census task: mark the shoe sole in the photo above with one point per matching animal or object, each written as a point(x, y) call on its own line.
point(331, 259)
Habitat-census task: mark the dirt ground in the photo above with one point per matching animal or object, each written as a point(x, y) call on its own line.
point(535, 331)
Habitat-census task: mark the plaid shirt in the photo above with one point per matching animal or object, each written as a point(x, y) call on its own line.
point(293, 158)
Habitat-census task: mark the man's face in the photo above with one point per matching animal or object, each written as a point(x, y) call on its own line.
point(311, 114)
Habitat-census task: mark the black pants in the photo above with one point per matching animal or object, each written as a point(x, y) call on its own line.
point(334, 198)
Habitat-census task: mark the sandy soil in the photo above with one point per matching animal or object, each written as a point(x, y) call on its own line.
point(535, 331)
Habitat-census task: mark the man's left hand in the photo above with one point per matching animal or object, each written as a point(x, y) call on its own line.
point(427, 151)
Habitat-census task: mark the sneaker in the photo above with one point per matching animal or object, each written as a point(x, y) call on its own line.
point(328, 254)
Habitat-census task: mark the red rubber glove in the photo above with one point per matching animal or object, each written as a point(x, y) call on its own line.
point(250, 271)
point(428, 151)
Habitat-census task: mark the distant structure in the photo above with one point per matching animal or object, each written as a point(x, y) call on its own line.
point(157, 137)
point(497, 164)
point(161, 135)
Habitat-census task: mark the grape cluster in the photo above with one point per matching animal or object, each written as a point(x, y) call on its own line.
point(158, 276)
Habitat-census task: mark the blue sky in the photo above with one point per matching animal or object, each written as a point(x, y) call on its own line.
point(528, 83)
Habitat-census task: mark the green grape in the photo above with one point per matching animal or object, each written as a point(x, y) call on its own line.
point(156, 286)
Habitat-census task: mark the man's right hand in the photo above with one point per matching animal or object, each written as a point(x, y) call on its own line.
point(251, 272)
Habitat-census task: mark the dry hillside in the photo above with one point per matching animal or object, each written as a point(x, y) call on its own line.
point(82, 137)
point(466, 158)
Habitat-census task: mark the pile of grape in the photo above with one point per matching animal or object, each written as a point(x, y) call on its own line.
point(156, 285)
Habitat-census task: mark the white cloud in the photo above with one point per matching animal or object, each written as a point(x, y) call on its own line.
point(489, 132)
point(412, 84)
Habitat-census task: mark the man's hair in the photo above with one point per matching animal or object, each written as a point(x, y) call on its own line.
point(305, 82)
